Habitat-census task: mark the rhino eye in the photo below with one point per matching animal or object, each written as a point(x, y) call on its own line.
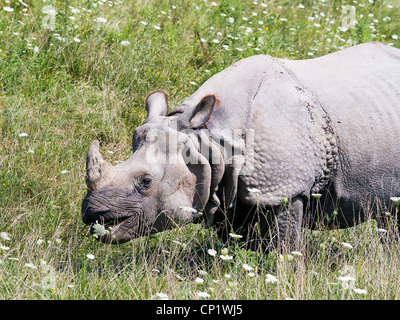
point(145, 181)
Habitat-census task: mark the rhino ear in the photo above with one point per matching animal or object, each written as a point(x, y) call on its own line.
point(157, 104)
point(201, 114)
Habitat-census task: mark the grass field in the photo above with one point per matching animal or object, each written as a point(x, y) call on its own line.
point(75, 71)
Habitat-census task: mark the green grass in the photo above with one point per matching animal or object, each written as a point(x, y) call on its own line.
point(63, 94)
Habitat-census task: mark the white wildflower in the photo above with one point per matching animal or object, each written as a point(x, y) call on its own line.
point(74, 10)
point(316, 195)
point(201, 294)
point(396, 200)
point(100, 20)
point(99, 230)
point(157, 27)
point(4, 247)
point(76, 39)
point(162, 296)
point(269, 278)
point(254, 190)
point(187, 209)
point(247, 267)
point(289, 257)
point(235, 236)
point(23, 134)
point(231, 20)
point(64, 171)
point(226, 257)
point(143, 23)
point(212, 252)
point(49, 10)
point(360, 291)
point(215, 41)
point(297, 253)
point(224, 251)
point(199, 280)
point(251, 274)
point(125, 43)
point(4, 236)
point(8, 9)
point(347, 245)
point(90, 256)
point(228, 276)
point(346, 279)
point(30, 265)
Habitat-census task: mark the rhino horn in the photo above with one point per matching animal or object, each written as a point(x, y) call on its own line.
point(98, 171)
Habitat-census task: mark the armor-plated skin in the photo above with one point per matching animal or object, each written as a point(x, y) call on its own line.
point(324, 126)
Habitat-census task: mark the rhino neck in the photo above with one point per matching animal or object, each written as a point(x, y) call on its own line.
point(209, 172)
point(224, 151)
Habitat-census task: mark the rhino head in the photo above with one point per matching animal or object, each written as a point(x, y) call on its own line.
point(159, 185)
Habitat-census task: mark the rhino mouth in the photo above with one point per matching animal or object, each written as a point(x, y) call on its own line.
point(115, 230)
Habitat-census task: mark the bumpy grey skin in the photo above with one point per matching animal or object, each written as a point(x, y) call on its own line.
point(328, 125)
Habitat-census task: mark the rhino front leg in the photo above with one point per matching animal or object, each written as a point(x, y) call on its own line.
point(280, 227)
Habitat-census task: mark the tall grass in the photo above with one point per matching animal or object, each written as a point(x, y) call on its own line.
point(83, 79)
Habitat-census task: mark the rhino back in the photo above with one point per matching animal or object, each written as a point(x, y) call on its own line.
point(359, 88)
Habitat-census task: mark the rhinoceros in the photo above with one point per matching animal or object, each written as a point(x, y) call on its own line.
point(261, 149)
